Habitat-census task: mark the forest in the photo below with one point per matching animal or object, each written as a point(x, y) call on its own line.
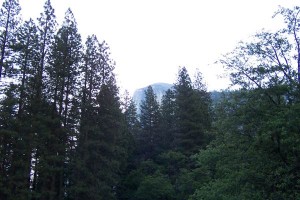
point(66, 133)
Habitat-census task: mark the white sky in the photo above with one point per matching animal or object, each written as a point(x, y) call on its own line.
point(150, 39)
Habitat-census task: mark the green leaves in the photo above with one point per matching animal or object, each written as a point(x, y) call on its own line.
point(155, 187)
point(192, 114)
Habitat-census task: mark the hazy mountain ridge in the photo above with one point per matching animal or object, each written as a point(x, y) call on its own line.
point(159, 90)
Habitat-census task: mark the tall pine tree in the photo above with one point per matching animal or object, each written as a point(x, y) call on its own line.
point(9, 22)
point(101, 148)
point(192, 117)
point(149, 138)
point(25, 59)
point(8, 134)
point(168, 120)
point(45, 126)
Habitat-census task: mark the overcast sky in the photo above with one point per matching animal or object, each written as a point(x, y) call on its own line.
point(150, 39)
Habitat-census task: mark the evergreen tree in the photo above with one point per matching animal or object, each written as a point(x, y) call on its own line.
point(91, 81)
point(168, 121)
point(47, 134)
point(63, 69)
point(98, 161)
point(102, 146)
point(9, 22)
point(8, 122)
point(192, 119)
point(26, 53)
point(62, 72)
point(149, 138)
point(90, 87)
point(25, 59)
point(130, 115)
point(46, 30)
point(203, 107)
point(132, 127)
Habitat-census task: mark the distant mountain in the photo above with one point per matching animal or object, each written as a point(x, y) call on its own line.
point(159, 90)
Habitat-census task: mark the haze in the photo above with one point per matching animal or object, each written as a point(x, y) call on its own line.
point(149, 40)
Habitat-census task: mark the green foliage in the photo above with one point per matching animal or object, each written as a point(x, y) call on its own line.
point(192, 114)
point(232, 170)
point(63, 134)
point(256, 154)
point(149, 139)
point(173, 162)
point(168, 120)
point(155, 187)
point(8, 134)
point(9, 23)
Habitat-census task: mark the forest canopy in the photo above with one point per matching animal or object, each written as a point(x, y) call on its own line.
point(66, 132)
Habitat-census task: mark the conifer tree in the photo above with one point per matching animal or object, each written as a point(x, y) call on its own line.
point(100, 150)
point(47, 136)
point(203, 106)
point(46, 30)
point(131, 118)
point(90, 87)
point(101, 142)
point(91, 78)
point(26, 59)
point(191, 115)
point(9, 22)
point(62, 71)
point(63, 68)
point(168, 120)
point(8, 122)
point(150, 125)
point(132, 123)
point(109, 120)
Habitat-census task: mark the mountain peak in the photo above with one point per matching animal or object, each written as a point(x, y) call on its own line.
point(159, 90)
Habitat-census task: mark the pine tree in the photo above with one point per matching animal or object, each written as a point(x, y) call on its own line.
point(99, 151)
point(102, 143)
point(63, 69)
point(192, 118)
point(150, 116)
point(168, 120)
point(132, 124)
point(91, 81)
point(131, 118)
point(46, 30)
point(8, 122)
point(9, 22)
point(203, 106)
point(133, 129)
point(26, 59)
point(109, 120)
point(90, 86)
point(45, 125)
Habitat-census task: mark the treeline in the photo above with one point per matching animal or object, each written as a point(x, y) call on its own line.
point(166, 137)
point(62, 132)
point(65, 133)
